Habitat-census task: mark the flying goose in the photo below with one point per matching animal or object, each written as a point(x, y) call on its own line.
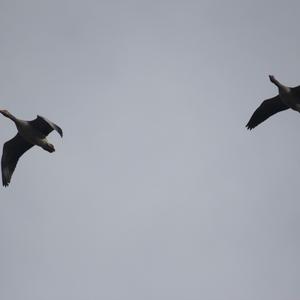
point(30, 133)
point(289, 97)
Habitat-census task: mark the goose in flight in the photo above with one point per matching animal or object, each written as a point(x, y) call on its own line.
point(30, 133)
point(288, 97)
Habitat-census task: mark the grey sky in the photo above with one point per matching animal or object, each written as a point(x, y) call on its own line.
point(157, 191)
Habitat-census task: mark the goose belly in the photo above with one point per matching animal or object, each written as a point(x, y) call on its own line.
point(291, 101)
point(31, 135)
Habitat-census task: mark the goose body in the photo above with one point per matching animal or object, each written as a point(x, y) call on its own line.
point(30, 133)
point(288, 97)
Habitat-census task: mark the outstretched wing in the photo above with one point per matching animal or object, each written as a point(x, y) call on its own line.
point(268, 108)
point(12, 151)
point(45, 126)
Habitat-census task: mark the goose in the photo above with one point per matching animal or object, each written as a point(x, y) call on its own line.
point(288, 97)
point(30, 133)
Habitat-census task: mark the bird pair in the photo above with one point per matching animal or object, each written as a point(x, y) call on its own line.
point(31, 133)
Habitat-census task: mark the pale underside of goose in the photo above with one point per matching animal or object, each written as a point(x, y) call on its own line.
point(288, 97)
point(30, 133)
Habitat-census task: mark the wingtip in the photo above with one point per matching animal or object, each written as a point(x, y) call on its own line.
point(5, 181)
point(249, 127)
point(5, 184)
point(59, 130)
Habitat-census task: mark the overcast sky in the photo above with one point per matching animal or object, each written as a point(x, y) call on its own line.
point(157, 191)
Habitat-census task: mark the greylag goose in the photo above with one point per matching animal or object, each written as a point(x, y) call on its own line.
point(30, 133)
point(288, 97)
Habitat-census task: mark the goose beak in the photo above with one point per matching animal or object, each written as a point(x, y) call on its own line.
point(3, 112)
point(272, 77)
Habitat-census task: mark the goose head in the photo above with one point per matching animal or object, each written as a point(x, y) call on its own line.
point(282, 88)
point(272, 78)
point(5, 113)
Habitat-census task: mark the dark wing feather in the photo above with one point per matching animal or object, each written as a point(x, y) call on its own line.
point(268, 108)
point(45, 126)
point(12, 151)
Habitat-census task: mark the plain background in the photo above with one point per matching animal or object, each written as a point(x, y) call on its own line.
point(157, 191)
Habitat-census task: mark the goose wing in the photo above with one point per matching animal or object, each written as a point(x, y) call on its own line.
point(268, 108)
point(45, 126)
point(12, 151)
